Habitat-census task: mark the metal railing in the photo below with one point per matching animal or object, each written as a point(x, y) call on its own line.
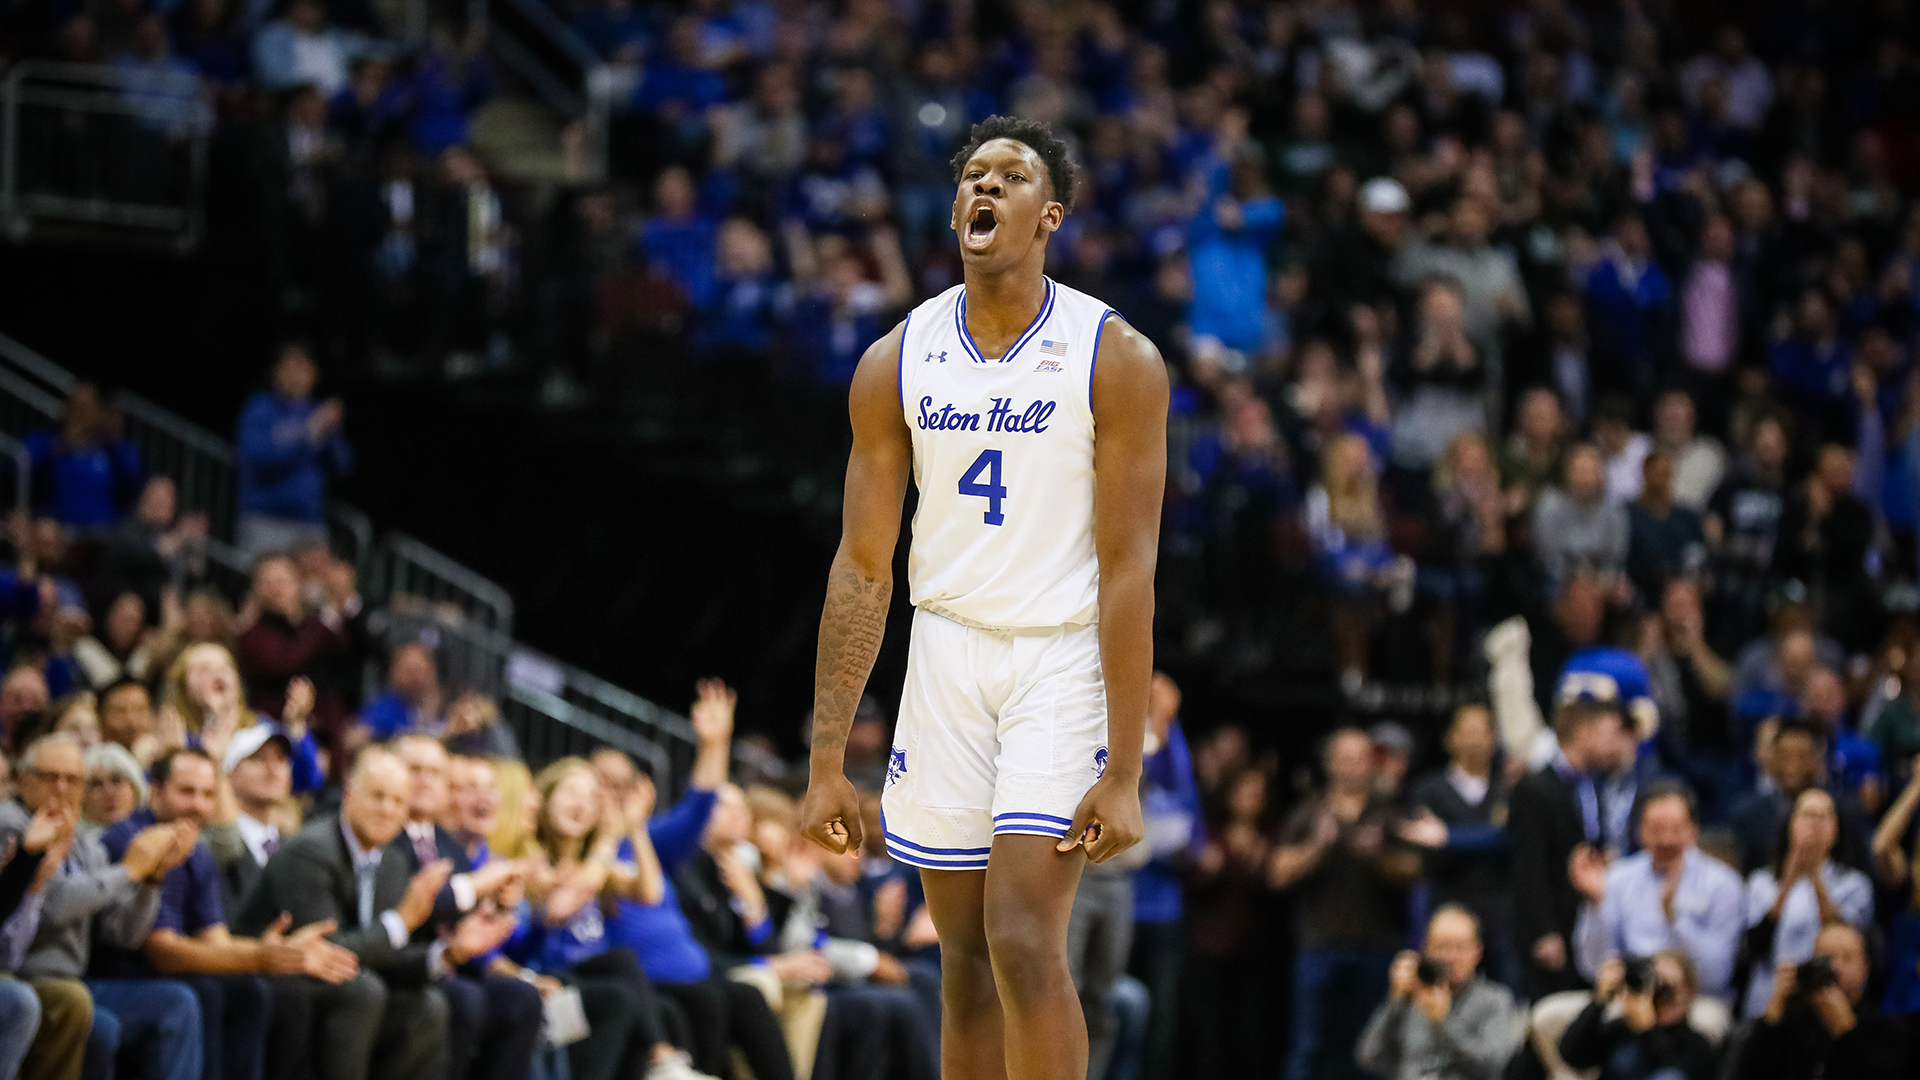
point(20, 497)
point(558, 65)
point(553, 708)
point(403, 570)
point(122, 147)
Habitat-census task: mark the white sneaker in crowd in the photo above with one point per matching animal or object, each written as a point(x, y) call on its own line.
point(677, 1066)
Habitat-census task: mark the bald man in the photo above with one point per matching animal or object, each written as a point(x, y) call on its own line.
point(341, 869)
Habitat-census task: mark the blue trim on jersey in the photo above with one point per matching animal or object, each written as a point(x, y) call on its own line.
point(1049, 818)
point(966, 339)
point(1099, 328)
point(928, 864)
point(892, 839)
point(900, 363)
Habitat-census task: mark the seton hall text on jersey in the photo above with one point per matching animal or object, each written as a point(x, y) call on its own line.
point(1001, 417)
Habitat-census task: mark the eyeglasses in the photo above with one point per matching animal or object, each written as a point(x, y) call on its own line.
point(62, 779)
point(108, 781)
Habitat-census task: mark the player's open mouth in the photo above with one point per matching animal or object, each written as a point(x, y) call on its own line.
point(980, 227)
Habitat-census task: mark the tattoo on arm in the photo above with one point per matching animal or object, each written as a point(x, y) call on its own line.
point(851, 626)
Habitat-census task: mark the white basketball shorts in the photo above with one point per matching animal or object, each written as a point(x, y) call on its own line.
point(1000, 731)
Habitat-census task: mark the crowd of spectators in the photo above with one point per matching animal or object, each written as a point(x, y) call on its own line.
point(1561, 355)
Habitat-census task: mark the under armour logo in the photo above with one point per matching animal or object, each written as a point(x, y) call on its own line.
point(932, 356)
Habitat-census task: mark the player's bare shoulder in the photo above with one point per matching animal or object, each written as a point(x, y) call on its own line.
point(1129, 376)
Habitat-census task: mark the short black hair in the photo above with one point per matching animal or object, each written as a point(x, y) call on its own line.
point(1036, 135)
point(162, 768)
point(1671, 789)
point(118, 685)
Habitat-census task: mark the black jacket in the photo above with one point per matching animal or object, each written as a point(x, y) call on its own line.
point(1799, 1048)
point(1593, 1041)
point(16, 876)
point(1544, 825)
point(1481, 877)
point(311, 878)
point(708, 906)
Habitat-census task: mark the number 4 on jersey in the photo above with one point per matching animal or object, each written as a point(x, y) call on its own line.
point(989, 463)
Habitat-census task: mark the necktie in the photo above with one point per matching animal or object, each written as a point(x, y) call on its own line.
point(364, 874)
point(270, 846)
point(424, 848)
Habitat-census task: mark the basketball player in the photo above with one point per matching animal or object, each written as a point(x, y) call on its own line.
point(1033, 421)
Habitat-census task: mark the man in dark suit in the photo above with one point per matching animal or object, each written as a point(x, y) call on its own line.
point(340, 869)
point(493, 1020)
point(1551, 813)
point(258, 765)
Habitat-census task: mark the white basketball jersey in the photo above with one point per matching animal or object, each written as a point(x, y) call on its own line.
point(1003, 458)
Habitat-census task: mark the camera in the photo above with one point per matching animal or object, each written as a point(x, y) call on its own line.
point(1813, 976)
point(1431, 972)
point(1642, 977)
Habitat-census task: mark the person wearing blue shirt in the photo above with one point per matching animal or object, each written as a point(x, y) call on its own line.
point(189, 941)
point(1227, 242)
point(1813, 369)
point(571, 938)
point(85, 475)
point(290, 449)
point(723, 1012)
point(679, 238)
point(1669, 896)
point(1170, 805)
point(1628, 301)
point(411, 701)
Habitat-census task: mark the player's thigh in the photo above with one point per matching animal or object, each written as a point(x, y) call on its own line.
point(956, 900)
point(1028, 901)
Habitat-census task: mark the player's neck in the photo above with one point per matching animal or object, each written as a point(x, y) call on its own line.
point(1001, 306)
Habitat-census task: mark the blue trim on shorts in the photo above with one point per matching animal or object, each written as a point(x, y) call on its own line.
point(1019, 821)
point(1049, 818)
point(910, 845)
point(930, 864)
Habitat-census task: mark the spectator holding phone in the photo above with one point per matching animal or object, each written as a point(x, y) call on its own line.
point(1442, 1020)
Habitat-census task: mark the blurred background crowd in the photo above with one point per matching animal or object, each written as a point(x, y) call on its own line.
point(1539, 565)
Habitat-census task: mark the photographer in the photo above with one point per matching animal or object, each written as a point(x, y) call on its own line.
point(1650, 1038)
point(1441, 1019)
point(1817, 1023)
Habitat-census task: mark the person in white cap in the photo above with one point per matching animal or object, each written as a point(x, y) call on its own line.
point(1354, 265)
point(259, 771)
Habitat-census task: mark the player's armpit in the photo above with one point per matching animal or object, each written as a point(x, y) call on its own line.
point(1130, 477)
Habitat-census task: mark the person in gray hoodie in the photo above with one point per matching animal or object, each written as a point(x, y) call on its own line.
point(92, 897)
point(1442, 1020)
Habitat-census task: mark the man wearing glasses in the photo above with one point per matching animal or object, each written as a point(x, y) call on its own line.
point(91, 896)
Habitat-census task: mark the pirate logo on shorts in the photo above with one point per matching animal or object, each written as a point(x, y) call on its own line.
point(1099, 763)
point(897, 765)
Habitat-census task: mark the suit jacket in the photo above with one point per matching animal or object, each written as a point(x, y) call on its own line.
point(239, 873)
point(1545, 825)
point(311, 878)
point(446, 910)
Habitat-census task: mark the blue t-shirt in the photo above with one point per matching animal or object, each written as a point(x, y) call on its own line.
point(388, 715)
point(658, 934)
point(189, 897)
point(1170, 802)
